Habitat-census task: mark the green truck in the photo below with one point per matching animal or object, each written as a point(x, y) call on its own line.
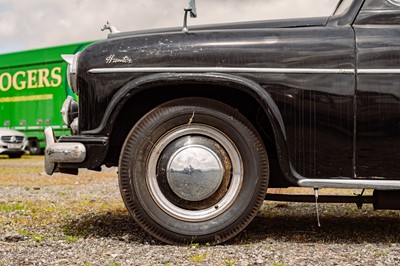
point(33, 87)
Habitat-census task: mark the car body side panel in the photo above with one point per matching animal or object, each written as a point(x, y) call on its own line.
point(378, 95)
point(316, 107)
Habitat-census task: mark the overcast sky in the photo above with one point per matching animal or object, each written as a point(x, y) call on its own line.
point(31, 24)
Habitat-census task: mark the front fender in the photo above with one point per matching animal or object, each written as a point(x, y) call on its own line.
point(248, 86)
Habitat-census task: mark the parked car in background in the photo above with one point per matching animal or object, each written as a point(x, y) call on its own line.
point(12, 143)
point(202, 120)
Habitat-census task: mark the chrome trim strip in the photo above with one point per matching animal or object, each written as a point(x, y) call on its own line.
point(351, 183)
point(242, 70)
point(221, 70)
point(378, 71)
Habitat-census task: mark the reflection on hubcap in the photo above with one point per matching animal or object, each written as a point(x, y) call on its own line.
point(194, 172)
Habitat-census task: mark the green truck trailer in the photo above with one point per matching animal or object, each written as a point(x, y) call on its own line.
point(33, 86)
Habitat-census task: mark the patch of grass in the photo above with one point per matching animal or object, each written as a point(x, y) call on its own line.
point(198, 257)
point(194, 245)
point(68, 220)
point(17, 169)
point(29, 172)
point(229, 262)
point(38, 237)
point(24, 233)
point(14, 207)
point(72, 239)
point(114, 263)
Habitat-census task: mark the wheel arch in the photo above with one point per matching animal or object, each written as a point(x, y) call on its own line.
point(137, 97)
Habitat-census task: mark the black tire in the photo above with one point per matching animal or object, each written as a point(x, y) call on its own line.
point(232, 175)
point(34, 147)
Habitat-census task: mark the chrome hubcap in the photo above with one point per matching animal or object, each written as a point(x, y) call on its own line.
point(194, 173)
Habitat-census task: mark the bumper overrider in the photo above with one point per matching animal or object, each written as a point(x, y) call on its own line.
point(69, 153)
point(55, 152)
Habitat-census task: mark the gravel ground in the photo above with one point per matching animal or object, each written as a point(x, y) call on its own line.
point(81, 220)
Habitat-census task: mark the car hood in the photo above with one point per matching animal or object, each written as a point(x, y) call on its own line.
point(281, 23)
point(10, 132)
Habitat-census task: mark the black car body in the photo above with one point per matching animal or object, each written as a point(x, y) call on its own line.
point(304, 102)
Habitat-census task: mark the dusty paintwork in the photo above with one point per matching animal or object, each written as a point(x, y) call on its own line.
point(314, 112)
point(300, 102)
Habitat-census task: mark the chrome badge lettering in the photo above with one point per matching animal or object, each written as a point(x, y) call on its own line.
point(111, 59)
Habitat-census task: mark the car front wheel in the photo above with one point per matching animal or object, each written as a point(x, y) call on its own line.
point(193, 169)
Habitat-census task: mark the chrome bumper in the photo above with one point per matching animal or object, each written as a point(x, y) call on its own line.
point(69, 152)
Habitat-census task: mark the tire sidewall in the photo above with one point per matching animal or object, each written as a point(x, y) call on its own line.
point(137, 150)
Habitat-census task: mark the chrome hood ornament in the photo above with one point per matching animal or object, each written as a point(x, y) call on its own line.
point(110, 27)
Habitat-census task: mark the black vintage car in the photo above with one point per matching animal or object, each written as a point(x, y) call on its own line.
point(202, 120)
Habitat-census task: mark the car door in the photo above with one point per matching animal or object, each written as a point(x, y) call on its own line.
point(378, 90)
